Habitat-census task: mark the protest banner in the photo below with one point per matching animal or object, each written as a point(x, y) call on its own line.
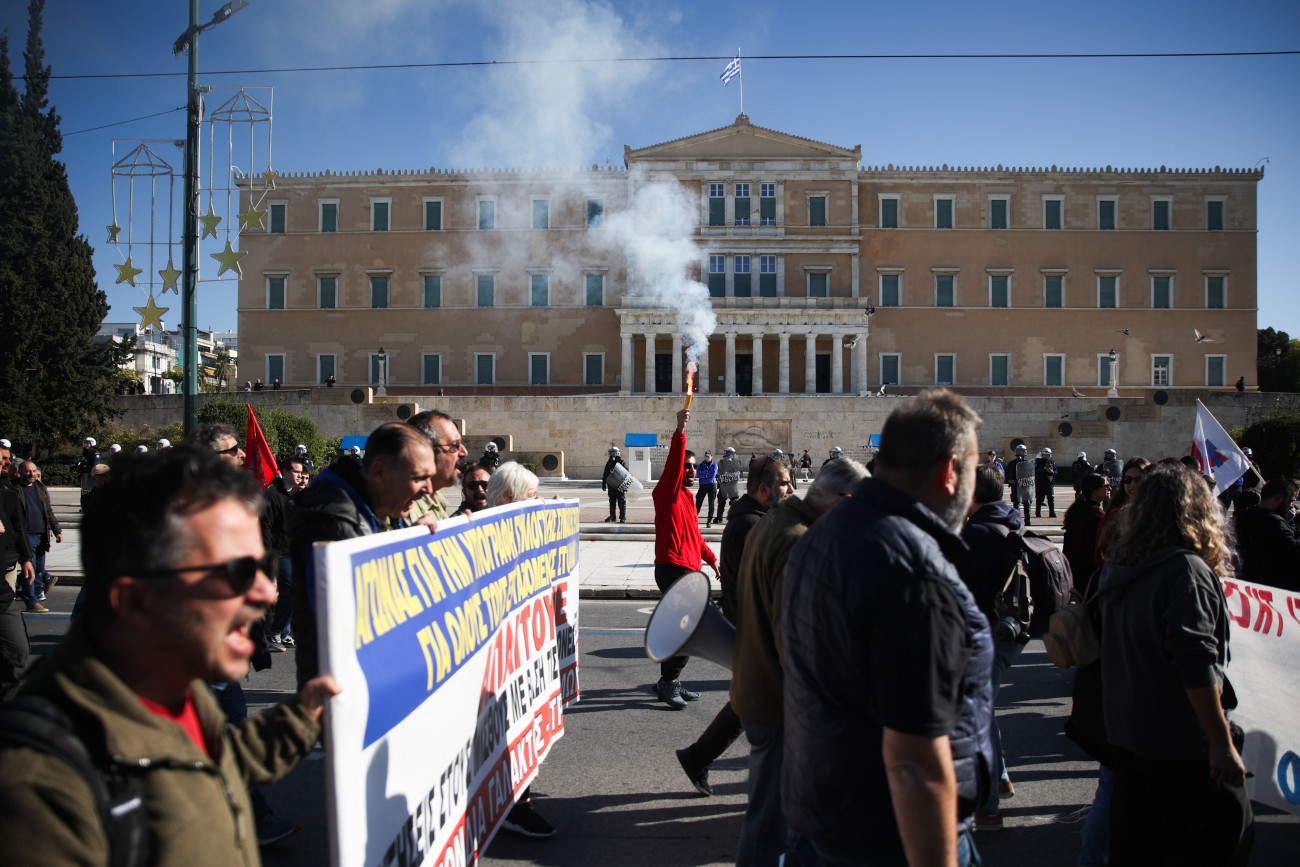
point(457, 652)
point(1265, 647)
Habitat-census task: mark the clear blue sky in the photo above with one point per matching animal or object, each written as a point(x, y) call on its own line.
point(1185, 112)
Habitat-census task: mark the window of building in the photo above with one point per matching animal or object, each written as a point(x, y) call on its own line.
point(593, 368)
point(889, 212)
point(541, 214)
point(1103, 368)
point(431, 368)
point(767, 276)
point(999, 369)
point(327, 292)
point(717, 204)
point(943, 212)
point(595, 289)
point(325, 368)
point(944, 366)
point(485, 368)
point(379, 215)
point(889, 295)
point(1053, 369)
point(817, 210)
point(278, 216)
point(1053, 290)
point(1214, 215)
point(487, 289)
point(378, 291)
point(742, 204)
point(487, 214)
point(1161, 291)
point(275, 368)
point(540, 286)
point(1052, 212)
point(432, 290)
point(998, 212)
point(1160, 366)
point(717, 276)
point(539, 368)
point(890, 364)
point(944, 290)
point(274, 293)
point(999, 290)
point(742, 287)
point(1107, 290)
point(1214, 291)
point(767, 204)
point(818, 283)
point(1106, 209)
point(1160, 214)
point(433, 215)
point(329, 216)
point(595, 213)
point(1216, 370)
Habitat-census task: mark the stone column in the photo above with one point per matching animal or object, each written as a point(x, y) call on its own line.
point(704, 368)
point(837, 362)
point(783, 364)
point(729, 385)
point(860, 362)
point(758, 362)
point(650, 362)
point(679, 378)
point(810, 363)
point(625, 381)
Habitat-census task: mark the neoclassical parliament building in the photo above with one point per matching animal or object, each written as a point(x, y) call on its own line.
point(825, 276)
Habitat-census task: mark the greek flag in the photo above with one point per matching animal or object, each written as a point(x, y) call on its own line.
point(732, 70)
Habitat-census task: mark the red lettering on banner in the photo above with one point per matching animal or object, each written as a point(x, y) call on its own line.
point(569, 683)
point(1231, 589)
point(1293, 607)
point(1266, 611)
point(561, 588)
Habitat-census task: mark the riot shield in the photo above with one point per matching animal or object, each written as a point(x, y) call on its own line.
point(1025, 482)
point(1114, 473)
point(619, 479)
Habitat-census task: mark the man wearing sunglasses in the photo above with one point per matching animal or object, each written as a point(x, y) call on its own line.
point(175, 575)
point(473, 491)
point(448, 451)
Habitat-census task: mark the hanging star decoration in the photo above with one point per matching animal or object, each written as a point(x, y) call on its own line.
point(253, 217)
point(229, 260)
point(151, 313)
point(209, 221)
point(126, 272)
point(269, 177)
point(113, 229)
point(170, 275)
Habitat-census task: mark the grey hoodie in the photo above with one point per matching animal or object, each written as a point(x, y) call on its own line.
point(1164, 631)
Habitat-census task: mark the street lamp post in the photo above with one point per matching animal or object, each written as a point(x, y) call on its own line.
point(382, 391)
point(1112, 391)
point(189, 42)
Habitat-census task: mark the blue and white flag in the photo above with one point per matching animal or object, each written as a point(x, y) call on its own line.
point(732, 70)
point(1215, 451)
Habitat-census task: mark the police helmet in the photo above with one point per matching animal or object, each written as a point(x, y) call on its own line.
point(142, 448)
point(728, 451)
point(1247, 451)
point(1111, 454)
point(90, 441)
point(355, 451)
point(1083, 456)
point(836, 450)
point(1021, 450)
point(300, 449)
point(1046, 450)
point(164, 443)
point(613, 452)
point(777, 453)
point(114, 448)
point(490, 448)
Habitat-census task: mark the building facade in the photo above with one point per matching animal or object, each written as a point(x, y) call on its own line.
point(823, 275)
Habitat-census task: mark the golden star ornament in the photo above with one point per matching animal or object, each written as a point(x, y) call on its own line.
point(113, 229)
point(229, 260)
point(253, 217)
point(209, 221)
point(127, 272)
point(151, 313)
point(269, 177)
point(170, 275)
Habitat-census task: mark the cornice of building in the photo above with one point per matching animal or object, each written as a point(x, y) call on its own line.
point(403, 176)
point(1069, 173)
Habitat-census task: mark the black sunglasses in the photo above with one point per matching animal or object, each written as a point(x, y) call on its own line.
point(482, 485)
point(240, 573)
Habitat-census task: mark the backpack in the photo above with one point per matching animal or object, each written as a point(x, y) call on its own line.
point(1072, 640)
point(39, 724)
point(1037, 569)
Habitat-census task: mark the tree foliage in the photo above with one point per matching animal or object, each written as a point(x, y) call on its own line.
point(54, 380)
point(283, 430)
point(1278, 362)
point(1275, 440)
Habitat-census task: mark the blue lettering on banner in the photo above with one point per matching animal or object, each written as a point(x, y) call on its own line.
point(1288, 777)
point(425, 606)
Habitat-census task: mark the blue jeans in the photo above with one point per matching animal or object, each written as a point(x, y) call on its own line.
point(32, 590)
point(283, 612)
point(1096, 828)
point(764, 833)
point(1005, 654)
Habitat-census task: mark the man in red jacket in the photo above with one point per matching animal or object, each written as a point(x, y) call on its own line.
point(679, 547)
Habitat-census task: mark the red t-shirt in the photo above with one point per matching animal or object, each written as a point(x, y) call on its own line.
point(186, 717)
point(677, 524)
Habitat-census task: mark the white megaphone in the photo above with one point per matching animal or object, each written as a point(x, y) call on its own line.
point(685, 623)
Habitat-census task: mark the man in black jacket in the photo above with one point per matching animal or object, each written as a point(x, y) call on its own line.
point(1044, 478)
point(769, 481)
point(42, 526)
point(1266, 540)
point(293, 478)
point(14, 649)
point(617, 497)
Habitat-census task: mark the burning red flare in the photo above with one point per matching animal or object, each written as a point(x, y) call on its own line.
point(690, 382)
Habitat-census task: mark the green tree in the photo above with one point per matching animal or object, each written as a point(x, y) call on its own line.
point(54, 380)
point(1278, 362)
point(283, 430)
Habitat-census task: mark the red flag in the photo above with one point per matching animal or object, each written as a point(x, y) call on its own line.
point(259, 462)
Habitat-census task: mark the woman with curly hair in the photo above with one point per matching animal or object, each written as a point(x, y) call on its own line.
point(1179, 795)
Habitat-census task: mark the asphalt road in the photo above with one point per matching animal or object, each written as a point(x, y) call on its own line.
point(613, 788)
